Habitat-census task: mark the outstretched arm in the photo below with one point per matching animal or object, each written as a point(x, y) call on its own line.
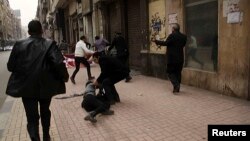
point(165, 43)
point(112, 45)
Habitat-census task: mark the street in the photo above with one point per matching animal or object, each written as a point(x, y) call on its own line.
point(4, 75)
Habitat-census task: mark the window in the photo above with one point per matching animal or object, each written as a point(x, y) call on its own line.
point(201, 51)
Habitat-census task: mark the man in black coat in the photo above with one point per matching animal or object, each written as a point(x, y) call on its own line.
point(122, 52)
point(175, 43)
point(38, 73)
point(112, 71)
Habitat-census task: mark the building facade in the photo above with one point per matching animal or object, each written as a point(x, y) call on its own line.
point(221, 32)
point(10, 24)
point(217, 54)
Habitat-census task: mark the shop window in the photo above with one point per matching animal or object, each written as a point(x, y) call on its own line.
point(201, 51)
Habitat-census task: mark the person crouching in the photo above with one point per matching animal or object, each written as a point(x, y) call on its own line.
point(93, 104)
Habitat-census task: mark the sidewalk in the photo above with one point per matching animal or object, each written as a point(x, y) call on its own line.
point(148, 112)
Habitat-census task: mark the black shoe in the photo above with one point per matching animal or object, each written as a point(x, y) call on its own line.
point(33, 132)
point(176, 89)
point(46, 138)
point(117, 98)
point(128, 79)
point(91, 78)
point(108, 112)
point(35, 139)
point(112, 102)
point(72, 80)
point(90, 118)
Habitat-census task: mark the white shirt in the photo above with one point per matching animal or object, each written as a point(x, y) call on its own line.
point(81, 49)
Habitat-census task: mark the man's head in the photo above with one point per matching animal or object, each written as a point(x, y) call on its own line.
point(83, 38)
point(117, 33)
point(97, 37)
point(176, 27)
point(35, 28)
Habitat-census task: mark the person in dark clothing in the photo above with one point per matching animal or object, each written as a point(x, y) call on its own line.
point(175, 43)
point(112, 71)
point(122, 52)
point(38, 73)
point(94, 104)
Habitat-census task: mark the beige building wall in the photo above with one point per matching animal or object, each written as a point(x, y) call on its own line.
point(232, 77)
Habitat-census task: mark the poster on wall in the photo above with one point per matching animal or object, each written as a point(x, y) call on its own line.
point(230, 6)
point(157, 25)
point(172, 18)
point(234, 17)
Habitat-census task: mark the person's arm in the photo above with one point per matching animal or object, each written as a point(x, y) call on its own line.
point(56, 59)
point(165, 43)
point(112, 44)
point(86, 50)
point(106, 41)
point(11, 64)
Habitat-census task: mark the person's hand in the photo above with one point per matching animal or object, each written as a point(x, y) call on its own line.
point(96, 83)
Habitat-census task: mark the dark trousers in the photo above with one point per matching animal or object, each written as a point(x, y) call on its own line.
point(84, 61)
point(102, 53)
point(124, 60)
point(108, 84)
point(32, 114)
point(174, 73)
point(96, 104)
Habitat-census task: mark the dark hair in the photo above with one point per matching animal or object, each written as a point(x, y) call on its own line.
point(176, 27)
point(83, 37)
point(35, 27)
point(97, 37)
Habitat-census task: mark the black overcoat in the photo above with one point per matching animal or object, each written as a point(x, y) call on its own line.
point(175, 43)
point(37, 69)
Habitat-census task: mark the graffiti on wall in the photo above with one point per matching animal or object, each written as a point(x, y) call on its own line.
point(157, 26)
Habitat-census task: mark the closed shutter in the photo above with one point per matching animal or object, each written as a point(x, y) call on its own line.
point(114, 18)
point(134, 36)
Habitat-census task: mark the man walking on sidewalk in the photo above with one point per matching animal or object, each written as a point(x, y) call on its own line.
point(175, 44)
point(81, 56)
point(122, 51)
point(38, 73)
